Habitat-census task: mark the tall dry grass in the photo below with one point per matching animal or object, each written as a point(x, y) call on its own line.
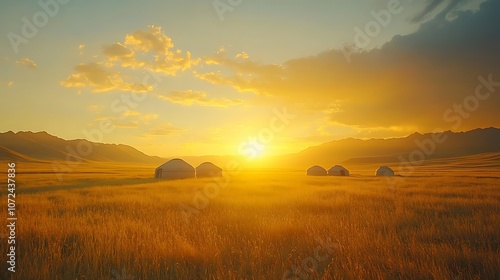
point(261, 226)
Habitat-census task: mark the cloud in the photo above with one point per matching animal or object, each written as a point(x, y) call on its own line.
point(150, 49)
point(81, 48)
point(248, 75)
point(190, 97)
point(28, 62)
point(119, 52)
point(164, 129)
point(127, 119)
point(129, 113)
point(143, 50)
point(445, 9)
point(242, 55)
point(101, 79)
point(408, 83)
point(245, 66)
point(139, 116)
point(151, 40)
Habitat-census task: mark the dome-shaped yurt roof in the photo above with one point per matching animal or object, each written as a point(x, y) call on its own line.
point(338, 170)
point(208, 169)
point(384, 171)
point(316, 171)
point(175, 169)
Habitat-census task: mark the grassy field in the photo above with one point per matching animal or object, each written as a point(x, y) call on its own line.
point(253, 225)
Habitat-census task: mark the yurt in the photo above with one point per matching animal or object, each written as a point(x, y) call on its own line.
point(338, 170)
point(208, 169)
point(175, 169)
point(385, 171)
point(316, 171)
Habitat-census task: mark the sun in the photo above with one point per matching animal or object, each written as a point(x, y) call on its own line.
point(252, 149)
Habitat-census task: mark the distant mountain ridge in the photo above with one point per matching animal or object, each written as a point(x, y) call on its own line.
point(456, 144)
point(41, 146)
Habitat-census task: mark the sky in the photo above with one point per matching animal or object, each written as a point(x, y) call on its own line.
point(254, 78)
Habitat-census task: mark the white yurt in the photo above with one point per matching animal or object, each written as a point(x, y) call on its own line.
point(385, 171)
point(208, 169)
point(338, 170)
point(316, 171)
point(175, 169)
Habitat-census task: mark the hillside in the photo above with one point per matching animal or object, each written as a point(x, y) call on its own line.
point(356, 151)
point(41, 146)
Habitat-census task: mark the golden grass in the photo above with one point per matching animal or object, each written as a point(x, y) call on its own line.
point(258, 227)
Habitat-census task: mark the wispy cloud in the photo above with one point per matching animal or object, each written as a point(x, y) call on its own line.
point(126, 119)
point(81, 48)
point(7, 84)
point(129, 113)
point(190, 97)
point(101, 79)
point(139, 116)
point(28, 62)
point(242, 73)
point(446, 9)
point(242, 55)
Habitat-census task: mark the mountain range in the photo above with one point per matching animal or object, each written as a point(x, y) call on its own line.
point(414, 147)
point(41, 146)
